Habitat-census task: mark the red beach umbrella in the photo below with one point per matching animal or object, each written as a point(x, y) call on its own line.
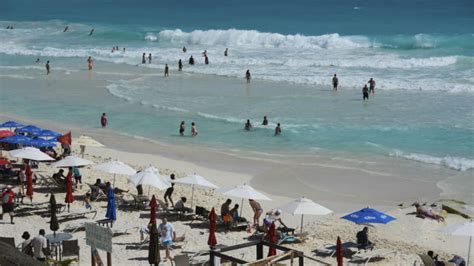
point(6, 133)
point(153, 210)
point(272, 235)
point(69, 197)
point(212, 241)
point(339, 251)
point(29, 181)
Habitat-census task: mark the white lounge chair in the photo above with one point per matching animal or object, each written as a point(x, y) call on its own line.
point(367, 255)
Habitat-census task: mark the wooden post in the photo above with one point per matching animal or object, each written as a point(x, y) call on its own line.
point(92, 257)
point(259, 250)
point(109, 259)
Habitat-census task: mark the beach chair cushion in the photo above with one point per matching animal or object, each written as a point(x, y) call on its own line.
point(71, 248)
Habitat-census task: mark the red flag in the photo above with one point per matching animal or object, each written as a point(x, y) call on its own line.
point(29, 181)
point(69, 196)
point(339, 251)
point(212, 241)
point(272, 235)
point(153, 210)
point(66, 139)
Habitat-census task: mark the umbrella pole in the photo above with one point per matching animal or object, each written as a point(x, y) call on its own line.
point(302, 224)
point(148, 191)
point(241, 207)
point(469, 250)
point(192, 197)
point(68, 207)
point(114, 180)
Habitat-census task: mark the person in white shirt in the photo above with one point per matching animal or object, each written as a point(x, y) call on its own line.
point(167, 235)
point(40, 246)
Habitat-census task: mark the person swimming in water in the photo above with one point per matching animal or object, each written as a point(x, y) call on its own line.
point(194, 131)
point(278, 130)
point(371, 85)
point(90, 63)
point(182, 128)
point(47, 68)
point(365, 92)
point(65, 29)
point(335, 82)
point(37, 60)
point(184, 49)
point(143, 58)
point(265, 121)
point(248, 126)
point(92, 32)
point(180, 65)
point(191, 60)
point(149, 58)
point(167, 71)
point(226, 52)
point(248, 76)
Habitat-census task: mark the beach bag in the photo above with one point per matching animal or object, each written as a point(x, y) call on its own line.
point(227, 218)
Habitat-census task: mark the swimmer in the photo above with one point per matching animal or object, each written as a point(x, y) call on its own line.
point(372, 85)
point(124, 49)
point(194, 131)
point(144, 58)
point(204, 53)
point(184, 49)
point(37, 60)
point(182, 128)
point(167, 71)
point(90, 62)
point(65, 29)
point(365, 92)
point(248, 76)
point(278, 130)
point(180, 65)
point(191, 60)
point(226, 52)
point(206, 60)
point(113, 49)
point(335, 82)
point(149, 58)
point(265, 121)
point(47, 68)
point(248, 126)
point(92, 32)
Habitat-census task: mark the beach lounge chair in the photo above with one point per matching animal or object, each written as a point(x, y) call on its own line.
point(426, 260)
point(366, 255)
point(140, 201)
point(70, 248)
point(76, 215)
point(181, 260)
point(8, 240)
point(96, 193)
point(348, 249)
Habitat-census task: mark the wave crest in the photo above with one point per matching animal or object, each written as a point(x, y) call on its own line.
point(456, 163)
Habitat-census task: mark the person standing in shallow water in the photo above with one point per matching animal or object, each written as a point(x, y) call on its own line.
point(103, 120)
point(248, 126)
point(194, 131)
point(371, 85)
point(278, 130)
point(265, 121)
point(167, 71)
point(248, 76)
point(90, 63)
point(182, 127)
point(47, 68)
point(184, 49)
point(143, 58)
point(335, 82)
point(149, 58)
point(226, 52)
point(365, 92)
point(180, 65)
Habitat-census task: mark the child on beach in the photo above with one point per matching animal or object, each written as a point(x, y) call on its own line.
point(103, 120)
point(365, 92)
point(90, 62)
point(278, 130)
point(194, 131)
point(87, 201)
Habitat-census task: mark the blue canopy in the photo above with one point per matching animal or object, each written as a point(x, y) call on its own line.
point(368, 216)
point(11, 124)
point(46, 133)
point(41, 143)
point(17, 139)
point(29, 129)
point(111, 213)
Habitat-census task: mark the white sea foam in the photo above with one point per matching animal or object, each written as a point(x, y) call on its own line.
point(460, 164)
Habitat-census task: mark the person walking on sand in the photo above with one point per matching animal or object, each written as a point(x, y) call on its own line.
point(182, 128)
point(103, 120)
point(226, 52)
point(278, 130)
point(265, 121)
point(248, 76)
point(167, 71)
point(365, 92)
point(167, 235)
point(194, 131)
point(257, 211)
point(149, 58)
point(90, 63)
point(335, 82)
point(47, 68)
point(180, 65)
point(8, 205)
point(248, 126)
point(371, 85)
point(143, 58)
point(169, 191)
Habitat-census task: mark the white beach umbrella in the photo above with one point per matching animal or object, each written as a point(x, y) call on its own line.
point(243, 192)
point(304, 206)
point(465, 229)
point(150, 176)
point(194, 180)
point(71, 161)
point(31, 154)
point(116, 168)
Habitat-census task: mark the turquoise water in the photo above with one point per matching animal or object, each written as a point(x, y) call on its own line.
point(421, 54)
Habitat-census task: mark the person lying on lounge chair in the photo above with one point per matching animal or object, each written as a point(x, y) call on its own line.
point(425, 212)
point(116, 189)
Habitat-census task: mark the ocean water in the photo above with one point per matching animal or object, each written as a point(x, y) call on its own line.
point(420, 53)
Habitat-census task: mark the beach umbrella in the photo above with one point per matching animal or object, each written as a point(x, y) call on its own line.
point(212, 241)
point(11, 124)
point(465, 229)
point(368, 216)
point(46, 133)
point(151, 177)
point(153, 210)
point(339, 251)
point(40, 143)
point(30, 129)
point(116, 168)
point(6, 133)
point(53, 223)
point(111, 212)
point(154, 246)
point(29, 182)
point(69, 197)
point(71, 161)
point(31, 154)
point(243, 192)
point(16, 139)
point(195, 180)
point(304, 206)
point(272, 239)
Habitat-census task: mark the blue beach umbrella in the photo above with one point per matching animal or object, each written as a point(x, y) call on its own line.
point(30, 129)
point(368, 216)
point(46, 133)
point(111, 213)
point(10, 124)
point(17, 139)
point(41, 143)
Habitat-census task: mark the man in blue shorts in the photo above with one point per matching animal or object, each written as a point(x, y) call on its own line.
point(168, 234)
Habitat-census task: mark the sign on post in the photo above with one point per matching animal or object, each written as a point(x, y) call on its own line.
point(99, 237)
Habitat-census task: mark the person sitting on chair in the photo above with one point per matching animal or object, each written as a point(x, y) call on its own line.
point(363, 239)
point(59, 177)
point(234, 212)
point(179, 206)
